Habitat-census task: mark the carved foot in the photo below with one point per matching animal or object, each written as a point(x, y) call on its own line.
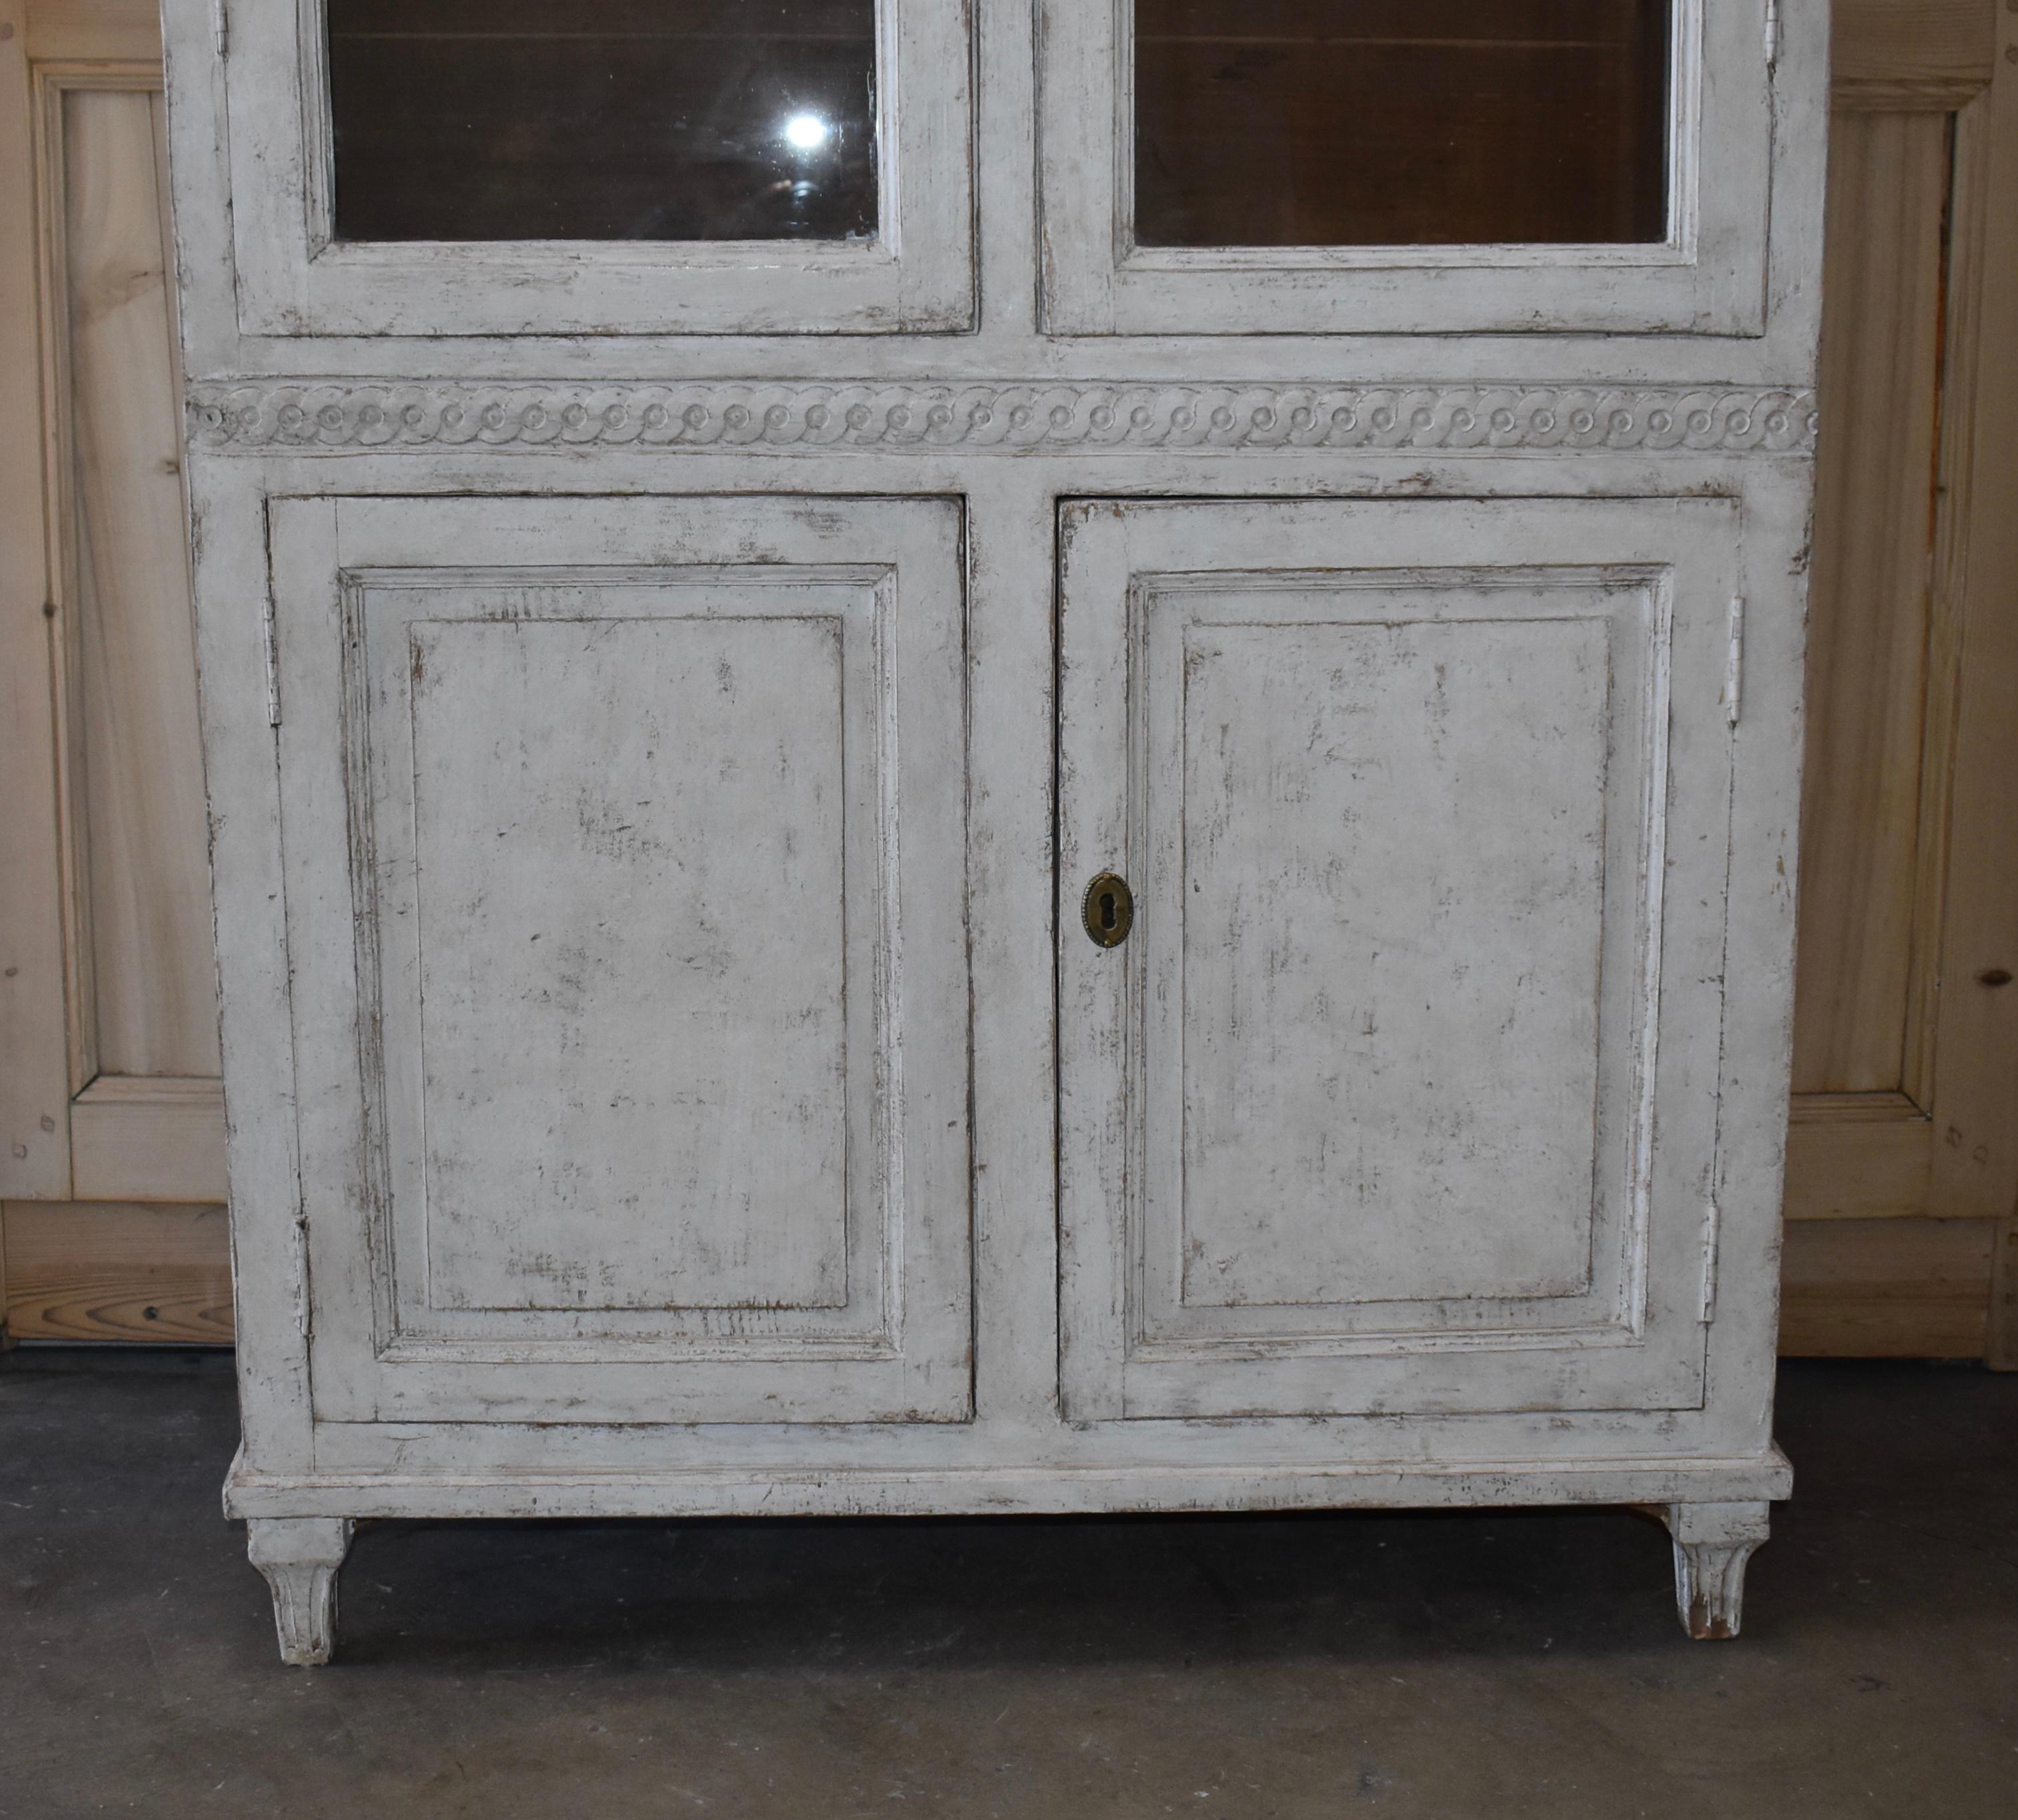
point(1712, 1543)
point(300, 1556)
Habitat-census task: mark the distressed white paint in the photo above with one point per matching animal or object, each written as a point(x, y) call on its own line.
point(626, 846)
point(598, 1233)
point(1388, 1084)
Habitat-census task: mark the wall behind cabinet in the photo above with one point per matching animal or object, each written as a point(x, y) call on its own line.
point(1903, 1157)
point(1904, 1160)
point(108, 1017)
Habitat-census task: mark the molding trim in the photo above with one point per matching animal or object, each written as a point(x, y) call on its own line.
point(243, 419)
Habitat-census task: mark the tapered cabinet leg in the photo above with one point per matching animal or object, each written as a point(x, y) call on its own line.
point(1712, 1543)
point(300, 1557)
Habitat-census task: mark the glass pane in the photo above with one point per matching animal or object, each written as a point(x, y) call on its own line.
point(628, 120)
point(1399, 122)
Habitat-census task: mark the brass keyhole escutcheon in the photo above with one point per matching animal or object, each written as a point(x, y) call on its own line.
point(1109, 910)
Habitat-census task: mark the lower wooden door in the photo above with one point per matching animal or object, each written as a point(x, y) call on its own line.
point(624, 852)
point(1423, 805)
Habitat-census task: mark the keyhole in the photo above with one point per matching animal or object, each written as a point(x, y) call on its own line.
point(1108, 909)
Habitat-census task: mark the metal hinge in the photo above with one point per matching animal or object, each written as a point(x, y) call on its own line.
point(220, 26)
point(1733, 661)
point(1712, 1237)
point(272, 660)
point(1772, 33)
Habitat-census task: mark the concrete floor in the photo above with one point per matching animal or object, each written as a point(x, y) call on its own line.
point(1230, 1668)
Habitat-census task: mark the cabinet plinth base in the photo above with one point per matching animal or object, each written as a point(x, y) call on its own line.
point(1717, 1509)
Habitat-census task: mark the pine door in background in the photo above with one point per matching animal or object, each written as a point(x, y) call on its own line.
point(1903, 1154)
point(113, 1157)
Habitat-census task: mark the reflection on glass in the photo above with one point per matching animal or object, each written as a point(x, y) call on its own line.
point(628, 120)
point(1401, 122)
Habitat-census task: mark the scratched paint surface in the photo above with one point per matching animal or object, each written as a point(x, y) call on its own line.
point(1394, 866)
point(629, 838)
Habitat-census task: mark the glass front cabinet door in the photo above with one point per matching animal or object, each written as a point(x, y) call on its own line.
point(977, 755)
point(609, 167)
point(1277, 166)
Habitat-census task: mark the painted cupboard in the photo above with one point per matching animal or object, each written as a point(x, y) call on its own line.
point(1015, 757)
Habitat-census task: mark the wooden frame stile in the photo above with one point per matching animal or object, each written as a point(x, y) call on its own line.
point(34, 1086)
point(1977, 1160)
point(269, 1252)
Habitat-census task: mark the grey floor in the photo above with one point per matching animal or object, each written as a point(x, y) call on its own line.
point(1497, 1665)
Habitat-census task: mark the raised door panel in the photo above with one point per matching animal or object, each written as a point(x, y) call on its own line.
point(613, 850)
point(1424, 805)
point(1355, 1007)
point(148, 987)
point(651, 831)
